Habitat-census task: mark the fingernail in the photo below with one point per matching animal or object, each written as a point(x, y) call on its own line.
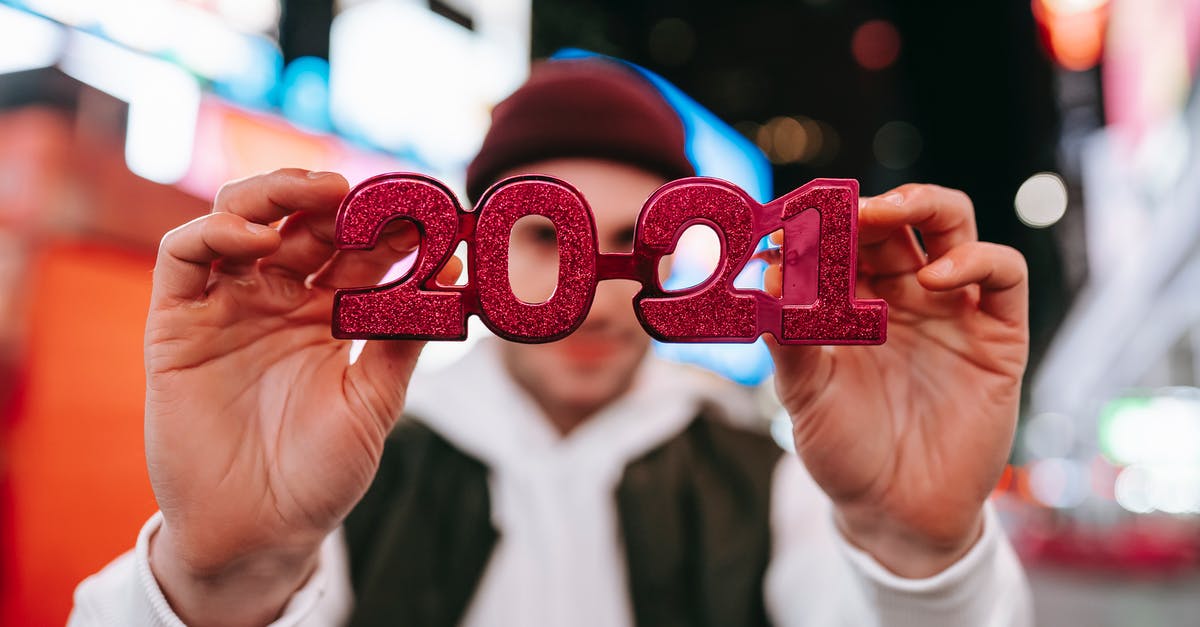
point(318, 175)
point(941, 267)
point(895, 199)
point(256, 228)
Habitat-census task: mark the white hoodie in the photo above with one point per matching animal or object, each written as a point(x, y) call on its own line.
point(559, 560)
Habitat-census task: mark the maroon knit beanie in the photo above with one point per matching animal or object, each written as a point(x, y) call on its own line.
point(581, 108)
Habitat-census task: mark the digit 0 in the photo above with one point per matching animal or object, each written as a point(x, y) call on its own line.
point(500, 208)
point(411, 307)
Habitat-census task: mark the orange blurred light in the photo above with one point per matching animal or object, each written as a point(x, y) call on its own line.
point(1006, 480)
point(1073, 30)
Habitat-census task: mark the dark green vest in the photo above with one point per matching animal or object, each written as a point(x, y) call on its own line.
point(694, 518)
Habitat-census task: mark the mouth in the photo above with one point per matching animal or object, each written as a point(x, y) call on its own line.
point(591, 347)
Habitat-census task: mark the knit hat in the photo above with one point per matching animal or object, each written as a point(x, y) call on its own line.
point(581, 108)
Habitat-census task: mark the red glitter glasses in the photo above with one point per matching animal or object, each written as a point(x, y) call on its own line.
point(816, 306)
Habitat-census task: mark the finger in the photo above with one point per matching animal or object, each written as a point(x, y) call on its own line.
point(801, 372)
point(381, 376)
point(186, 254)
point(883, 252)
point(387, 365)
point(354, 268)
point(773, 280)
point(450, 272)
point(266, 198)
point(945, 217)
point(1000, 271)
point(307, 245)
point(897, 253)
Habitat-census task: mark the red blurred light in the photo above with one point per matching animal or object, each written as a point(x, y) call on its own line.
point(875, 44)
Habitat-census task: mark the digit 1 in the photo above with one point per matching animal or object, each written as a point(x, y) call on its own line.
point(713, 310)
point(499, 209)
point(836, 316)
point(410, 307)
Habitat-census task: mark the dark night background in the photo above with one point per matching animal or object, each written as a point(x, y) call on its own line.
point(970, 78)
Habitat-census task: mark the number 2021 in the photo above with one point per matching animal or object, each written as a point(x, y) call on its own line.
point(816, 306)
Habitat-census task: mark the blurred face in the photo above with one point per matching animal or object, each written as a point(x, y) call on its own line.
point(576, 376)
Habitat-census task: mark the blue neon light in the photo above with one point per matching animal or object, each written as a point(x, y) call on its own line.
point(715, 149)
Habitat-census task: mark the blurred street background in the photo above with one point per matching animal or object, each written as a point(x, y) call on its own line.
point(1073, 124)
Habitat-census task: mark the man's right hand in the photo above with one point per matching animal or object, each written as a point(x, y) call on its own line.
point(260, 434)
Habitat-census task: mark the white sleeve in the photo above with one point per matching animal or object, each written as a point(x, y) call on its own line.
point(126, 594)
point(816, 577)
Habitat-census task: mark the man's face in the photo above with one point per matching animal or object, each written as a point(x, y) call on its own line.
point(591, 367)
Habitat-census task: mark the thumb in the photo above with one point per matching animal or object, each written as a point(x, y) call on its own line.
point(381, 376)
point(801, 372)
point(385, 367)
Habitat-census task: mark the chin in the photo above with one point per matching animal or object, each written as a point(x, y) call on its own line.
point(586, 379)
point(591, 392)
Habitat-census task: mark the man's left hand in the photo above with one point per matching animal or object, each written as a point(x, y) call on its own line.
point(909, 438)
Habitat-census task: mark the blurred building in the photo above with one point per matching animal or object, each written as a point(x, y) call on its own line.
point(1120, 378)
point(1073, 124)
point(119, 121)
point(1109, 450)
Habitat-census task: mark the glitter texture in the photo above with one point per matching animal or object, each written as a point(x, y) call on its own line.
point(836, 317)
point(401, 309)
point(817, 305)
point(505, 314)
point(713, 310)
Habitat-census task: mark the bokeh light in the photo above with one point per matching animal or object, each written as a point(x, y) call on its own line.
point(1058, 482)
point(794, 139)
point(1132, 490)
point(672, 42)
point(1170, 489)
point(305, 97)
point(1049, 434)
point(1151, 429)
point(1041, 200)
point(789, 139)
point(897, 145)
point(875, 44)
point(1073, 30)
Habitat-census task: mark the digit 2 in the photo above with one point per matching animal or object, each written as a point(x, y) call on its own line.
point(713, 309)
point(410, 307)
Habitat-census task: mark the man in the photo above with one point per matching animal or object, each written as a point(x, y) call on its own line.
point(578, 482)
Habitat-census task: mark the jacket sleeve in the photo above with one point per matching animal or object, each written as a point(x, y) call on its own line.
point(125, 593)
point(816, 577)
